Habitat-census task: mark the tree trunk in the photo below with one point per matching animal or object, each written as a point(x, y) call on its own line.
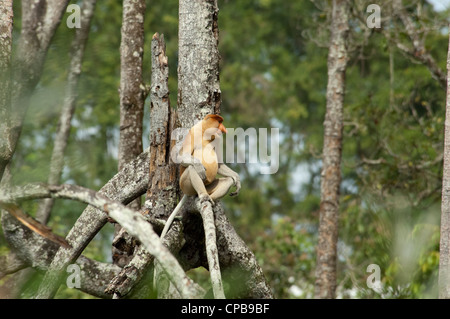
point(132, 98)
point(325, 286)
point(161, 197)
point(62, 136)
point(198, 61)
point(6, 27)
point(199, 94)
point(39, 22)
point(132, 93)
point(444, 250)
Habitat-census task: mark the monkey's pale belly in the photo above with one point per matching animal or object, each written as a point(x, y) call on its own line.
point(209, 161)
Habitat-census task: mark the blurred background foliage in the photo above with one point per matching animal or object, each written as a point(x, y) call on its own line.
point(274, 74)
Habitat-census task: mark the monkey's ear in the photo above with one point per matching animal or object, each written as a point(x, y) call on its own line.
point(216, 117)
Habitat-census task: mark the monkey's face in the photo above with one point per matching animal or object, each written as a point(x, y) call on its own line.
point(214, 129)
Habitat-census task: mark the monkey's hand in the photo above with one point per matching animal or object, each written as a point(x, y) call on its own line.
point(200, 169)
point(237, 183)
point(225, 171)
point(186, 160)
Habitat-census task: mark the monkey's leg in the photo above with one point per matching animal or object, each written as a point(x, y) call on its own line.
point(191, 184)
point(225, 171)
point(220, 187)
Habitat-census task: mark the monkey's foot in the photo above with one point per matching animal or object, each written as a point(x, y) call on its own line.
point(205, 198)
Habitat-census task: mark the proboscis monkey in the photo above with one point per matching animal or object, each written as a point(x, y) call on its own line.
point(200, 166)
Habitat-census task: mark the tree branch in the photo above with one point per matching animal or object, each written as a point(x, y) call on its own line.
point(32, 250)
point(128, 184)
point(419, 52)
point(129, 219)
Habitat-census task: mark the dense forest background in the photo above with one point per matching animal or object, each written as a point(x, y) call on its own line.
point(274, 74)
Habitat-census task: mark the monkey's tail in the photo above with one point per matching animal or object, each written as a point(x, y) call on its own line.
point(166, 228)
point(172, 216)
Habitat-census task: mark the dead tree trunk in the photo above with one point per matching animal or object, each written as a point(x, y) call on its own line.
point(325, 285)
point(444, 250)
point(161, 197)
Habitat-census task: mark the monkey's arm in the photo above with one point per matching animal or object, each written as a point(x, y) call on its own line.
point(183, 156)
point(225, 171)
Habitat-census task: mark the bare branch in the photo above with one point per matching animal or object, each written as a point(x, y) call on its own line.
point(29, 249)
point(418, 52)
point(128, 184)
point(129, 219)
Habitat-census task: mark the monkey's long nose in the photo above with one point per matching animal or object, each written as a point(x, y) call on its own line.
point(222, 128)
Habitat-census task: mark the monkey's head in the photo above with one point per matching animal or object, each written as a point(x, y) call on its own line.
point(212, 125)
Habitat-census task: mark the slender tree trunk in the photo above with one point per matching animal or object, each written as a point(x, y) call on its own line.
point(39, 22)
point(6, 27)
point(132, 93)
point(325, 286)
point(62, 136)
point(132, 98)
point(444, 251)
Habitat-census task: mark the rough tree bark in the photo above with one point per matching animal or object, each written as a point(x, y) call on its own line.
point(163, 187)
point(40, 19)
point(198, 61)
point(444, 249)
point(325, 285)
point(132, 97)
point(62, 135)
